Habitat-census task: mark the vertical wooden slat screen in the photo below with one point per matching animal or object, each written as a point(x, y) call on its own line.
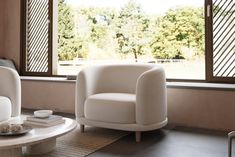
point(222, 64)
point(37, 52)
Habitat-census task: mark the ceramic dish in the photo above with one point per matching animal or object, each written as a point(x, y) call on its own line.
point(43, 113)
point(25, 130)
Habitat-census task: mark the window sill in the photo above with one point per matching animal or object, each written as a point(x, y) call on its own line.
point(184, 85)
point(46, 79)
point(203, 85)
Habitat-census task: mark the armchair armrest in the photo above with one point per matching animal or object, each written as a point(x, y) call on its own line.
point(85, 86)
point(151, 97)
point(10, 86)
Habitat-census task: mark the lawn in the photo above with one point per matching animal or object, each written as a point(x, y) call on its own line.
point(174, 70)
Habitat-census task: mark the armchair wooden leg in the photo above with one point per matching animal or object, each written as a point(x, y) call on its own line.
point(82, 128)
point(229, 147)
point(137, 136)
point(231, 135)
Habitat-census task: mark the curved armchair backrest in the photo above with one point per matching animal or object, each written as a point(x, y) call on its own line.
point(115, 78)
point(121, 78)
point(10, 87)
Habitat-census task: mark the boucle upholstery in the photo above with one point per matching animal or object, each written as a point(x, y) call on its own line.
point(10, 92)
point(127, 97)
point(5, 108)
point(115, 103)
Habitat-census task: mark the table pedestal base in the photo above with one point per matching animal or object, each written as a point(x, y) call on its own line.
point(14, 152)
point(41, 148)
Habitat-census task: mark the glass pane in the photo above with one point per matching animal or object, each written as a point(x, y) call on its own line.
point(130, 31)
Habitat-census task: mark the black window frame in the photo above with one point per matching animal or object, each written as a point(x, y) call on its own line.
point(23, 54)
point(209, 46)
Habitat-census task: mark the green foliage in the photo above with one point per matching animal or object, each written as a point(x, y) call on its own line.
point(182, 28)
point(99, 21)
point(132, 30)
point(69, 46)
point(177, 34)
point(66, 22)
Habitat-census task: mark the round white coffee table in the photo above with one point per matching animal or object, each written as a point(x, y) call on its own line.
point(37, 141)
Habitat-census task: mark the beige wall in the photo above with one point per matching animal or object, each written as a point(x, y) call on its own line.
point(2, 10)
point(209, 109)
point(12, 30)
point(57, 96)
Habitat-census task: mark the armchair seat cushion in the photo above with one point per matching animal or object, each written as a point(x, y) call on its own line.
point(5, 108)
point(111, 107)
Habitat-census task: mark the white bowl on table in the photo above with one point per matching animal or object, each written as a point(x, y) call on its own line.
point(43, 113)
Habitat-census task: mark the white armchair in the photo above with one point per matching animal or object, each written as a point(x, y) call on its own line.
point(124, 97)
point(10, 93)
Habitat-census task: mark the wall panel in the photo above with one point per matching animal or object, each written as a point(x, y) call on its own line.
point(210, 109)
point(2, 9)
point(12, 30)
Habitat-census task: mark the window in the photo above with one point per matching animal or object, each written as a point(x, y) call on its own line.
point(172, 34)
